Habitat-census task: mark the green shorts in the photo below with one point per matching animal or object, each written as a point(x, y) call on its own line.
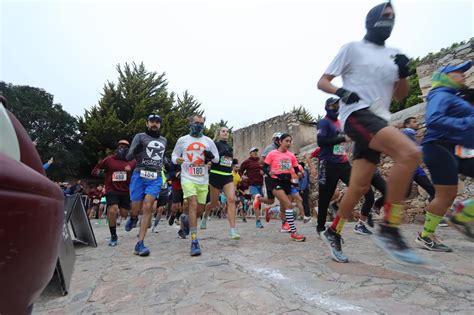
point(192, 189)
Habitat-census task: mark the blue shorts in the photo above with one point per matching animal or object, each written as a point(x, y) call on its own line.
point(294, 190)
point(255, 189)
point(139, 187)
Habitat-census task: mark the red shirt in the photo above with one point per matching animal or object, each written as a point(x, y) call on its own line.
point(315, 153)
point(117, 173)
point(252, 168)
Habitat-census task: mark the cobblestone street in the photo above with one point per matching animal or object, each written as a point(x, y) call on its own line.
point(262, 273)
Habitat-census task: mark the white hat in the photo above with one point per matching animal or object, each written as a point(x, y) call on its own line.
point(253, 149)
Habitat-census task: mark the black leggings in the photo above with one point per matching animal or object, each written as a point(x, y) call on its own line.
point(305, 196)
point(378, 183)
point(424, 182)
point(329, 175)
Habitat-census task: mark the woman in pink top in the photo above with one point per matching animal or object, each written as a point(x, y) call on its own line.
point(278, 166)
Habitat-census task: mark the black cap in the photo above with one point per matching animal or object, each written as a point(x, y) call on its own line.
point(154, 117)
point(332, 101)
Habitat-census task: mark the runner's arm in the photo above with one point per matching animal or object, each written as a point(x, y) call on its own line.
point(177, 151)
point(401, 89)
point(135, 142)
point(215, 152)
point(324, 84)
point(98, 168)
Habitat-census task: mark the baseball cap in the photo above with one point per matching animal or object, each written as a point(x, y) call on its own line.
point(332, 101)
point(123, 142)
point(277, 135)
point(253, 149)
point(463, 67)
point(154, 117)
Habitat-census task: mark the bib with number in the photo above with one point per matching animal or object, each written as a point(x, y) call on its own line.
point(463, 153)
point(285, 165)
point(197, 170)
point(148, 174)
point(225, 161)
point(338, 149)
point(119, 176)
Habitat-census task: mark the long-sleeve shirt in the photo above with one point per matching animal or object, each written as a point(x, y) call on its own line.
point(191, 149)
point(117, 173)
point(151, 157)
point(330, 140)
point(252, 168)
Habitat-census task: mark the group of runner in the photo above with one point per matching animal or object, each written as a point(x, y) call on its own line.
point(372, 74)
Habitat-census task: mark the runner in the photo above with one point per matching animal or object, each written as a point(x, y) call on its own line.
point(148, 148)
point(251, 170)
point(176, 193)
point(193, 152)
point(410, 125)
point(372, 75)
point(161, 202)
point(278, 165)
point(117, 171)
point(222, 180)
point(448, 150)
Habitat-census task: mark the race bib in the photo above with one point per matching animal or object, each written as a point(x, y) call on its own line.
point(148, 174)
point(225, 161)
point(119, 176)
point(463, 153)
point(338, 149)
point(197, 170)
point(285, 165)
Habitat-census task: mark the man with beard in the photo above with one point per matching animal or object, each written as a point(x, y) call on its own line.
point(148, 148)
point(117, 171)
point(372, 75)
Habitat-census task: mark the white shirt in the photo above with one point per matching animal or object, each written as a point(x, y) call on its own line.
point(368, 70)
point(194, 169)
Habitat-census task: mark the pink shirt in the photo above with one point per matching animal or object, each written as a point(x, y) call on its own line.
point(281, 163)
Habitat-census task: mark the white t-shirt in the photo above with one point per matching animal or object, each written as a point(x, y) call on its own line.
point(368, 70)
point(194, 169)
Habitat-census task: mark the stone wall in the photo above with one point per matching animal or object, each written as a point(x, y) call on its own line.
point(453, 56)
point(260, 135)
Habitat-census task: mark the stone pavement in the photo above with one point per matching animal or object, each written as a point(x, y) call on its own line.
point(263, 273)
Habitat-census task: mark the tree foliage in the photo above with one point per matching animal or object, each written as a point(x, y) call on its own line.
point(414, 91)
point(123, 107)
point(303, 115)
point(55, 130)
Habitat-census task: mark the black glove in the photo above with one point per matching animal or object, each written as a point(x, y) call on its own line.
point(347, 97)
point(208, 156)
point(138, 149)
point(101, 173)
point(402, 62)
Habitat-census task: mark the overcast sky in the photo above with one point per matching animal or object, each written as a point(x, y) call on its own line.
point(246, 61)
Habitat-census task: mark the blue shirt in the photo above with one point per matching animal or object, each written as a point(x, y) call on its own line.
point(330, 135)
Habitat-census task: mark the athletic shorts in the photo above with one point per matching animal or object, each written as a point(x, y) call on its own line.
point(219, 181)
point(294, 190)
point(269, 190)
point(118, 198)
point(255, 189)
point(163, 200)
point(444, 165)
point(361, 126)
point(177, 196)
point(278, 184)
point(139, 187)
point(192, 189)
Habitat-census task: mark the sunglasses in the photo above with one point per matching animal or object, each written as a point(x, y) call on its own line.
point(154, 117)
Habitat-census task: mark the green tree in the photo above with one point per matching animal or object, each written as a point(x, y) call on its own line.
point(55, 131)
point(303, 115)
point(211, 130)
point(123, 107)
point(414, 91)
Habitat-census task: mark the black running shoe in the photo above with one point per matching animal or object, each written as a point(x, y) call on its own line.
point(431, 242)
point(333, 241)
point(389, 239)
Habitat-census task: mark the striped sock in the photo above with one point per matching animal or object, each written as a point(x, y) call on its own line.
point(290, 218)
point(338, 224)
point(393, 214)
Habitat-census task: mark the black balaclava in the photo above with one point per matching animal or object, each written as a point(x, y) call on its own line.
point(378, 27)
point(121, 153)
point(332, 113)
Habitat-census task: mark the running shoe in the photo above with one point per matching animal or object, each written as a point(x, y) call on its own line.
point(431, 242)
point(370, 220)
point(256, 201)
point(360, 228)
point(333, 241)
point(389, 239)
point(234, 236)
point(267, 214)
point(443, 223)
point(141, 249)
point(131, 223)
point(171, 219)
point(462, 227)
point(320, 229)
point(113, 241)
point(306, 219)
point(203, 224)
point(258, 224)
point(297, 237)
point(154, 229)
point(181, 234)
point(195, 248)
point(285, 227)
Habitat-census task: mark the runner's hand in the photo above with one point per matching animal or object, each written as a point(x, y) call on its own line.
point(179, 160)
point(402, 62)
point(208, 155)
point(347, 97)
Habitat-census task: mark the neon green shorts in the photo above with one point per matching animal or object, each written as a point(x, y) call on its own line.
point(192, 189)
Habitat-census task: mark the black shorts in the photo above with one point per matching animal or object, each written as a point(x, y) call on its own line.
point(118, 198)
point(163, 199)
point(268, 186)
point(444, 165)
point(219, 181)
point(279, 184)
point(361, 126)
point(177, 196)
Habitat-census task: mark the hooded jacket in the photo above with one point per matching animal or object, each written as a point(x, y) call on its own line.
point(449, 118)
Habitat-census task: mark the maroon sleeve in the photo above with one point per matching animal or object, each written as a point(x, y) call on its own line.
point(101, 165)
point(243, 167)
